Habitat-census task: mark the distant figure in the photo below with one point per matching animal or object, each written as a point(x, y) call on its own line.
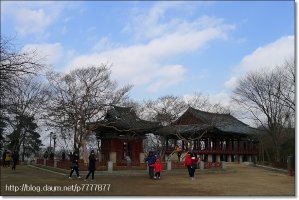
point(46, 154)
point(74, 165)
point(52, 156)
point(158, 169)
point(151, 159)
point(70, 155)
point(3, 158)
point(7, 158)
point(178, 151)
point(15, 159)
point(63, 156)
point(92, 165)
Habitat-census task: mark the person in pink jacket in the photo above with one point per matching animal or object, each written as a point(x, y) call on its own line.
point(158, 169)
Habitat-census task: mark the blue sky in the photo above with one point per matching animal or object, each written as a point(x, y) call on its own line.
point(161, 47)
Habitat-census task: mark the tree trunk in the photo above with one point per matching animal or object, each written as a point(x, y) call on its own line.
point(84, 150)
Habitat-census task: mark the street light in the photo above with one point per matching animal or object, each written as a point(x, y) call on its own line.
point(51, 140)
point(54, 138)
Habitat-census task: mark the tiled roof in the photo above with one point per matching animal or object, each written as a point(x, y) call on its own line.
point(125, 119)
point(224, 123)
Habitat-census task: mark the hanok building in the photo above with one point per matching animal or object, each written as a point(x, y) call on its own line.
point(215, 137)
point(122, 134)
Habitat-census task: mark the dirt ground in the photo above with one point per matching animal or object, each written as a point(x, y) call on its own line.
point(235, 180)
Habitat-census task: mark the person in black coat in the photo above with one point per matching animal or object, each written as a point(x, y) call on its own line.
point(74, 165)
point(91, 166)
point(15, 159)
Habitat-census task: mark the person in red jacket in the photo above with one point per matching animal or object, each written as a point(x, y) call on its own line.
point(158, 169)
point(191, 163)
point(188, 163)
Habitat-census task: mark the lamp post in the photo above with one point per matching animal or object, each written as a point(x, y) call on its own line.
point(54, 138)
point(51, 140)
point(99, 150)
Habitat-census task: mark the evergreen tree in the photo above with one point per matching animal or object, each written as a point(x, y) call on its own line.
point(25, 138)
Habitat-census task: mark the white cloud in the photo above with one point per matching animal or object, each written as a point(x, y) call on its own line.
point(266, 57)
point(132, 62)
point(167, 76)
point(33, 18)
point(52, 54)
point(231, 83)
point(222, 98)
point(154, 23)
point(102, 44)
point(145, 63)
point(32, 21)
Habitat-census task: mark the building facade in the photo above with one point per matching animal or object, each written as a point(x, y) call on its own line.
point(214, 137)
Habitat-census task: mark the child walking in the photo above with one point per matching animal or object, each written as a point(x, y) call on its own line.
point(158, 169)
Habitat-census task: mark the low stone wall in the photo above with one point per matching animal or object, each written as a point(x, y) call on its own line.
point(177, 165)
point(142, 166)
point(212, 165)
point(40, 161)
point(50, 163)
point(103, 166)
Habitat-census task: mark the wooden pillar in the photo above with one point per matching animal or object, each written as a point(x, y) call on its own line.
point(214, 143)
point(209, 143)
point(221, 144)
point(206, 144)
point(199, 144)
point(166, 140)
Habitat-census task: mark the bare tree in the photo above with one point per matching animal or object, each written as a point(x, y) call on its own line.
point(261, 94)
point(81, 97)
point(15, 67)
point(198, 101)
point(22, 103)
point(165, 110)
point(15, 64)
point(286, 77)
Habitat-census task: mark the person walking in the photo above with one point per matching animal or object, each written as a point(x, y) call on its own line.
point(178, 151)
point(46, 154)
point(63, 156)
point(151, 159)
point(158, 169)
point(7, 158)
point(74, 165)
point(191, 163)
point(187, 163)
point(91, 166)
point(194, 162)
point(15, 159)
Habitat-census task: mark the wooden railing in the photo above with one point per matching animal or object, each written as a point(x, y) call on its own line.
point(218, 151)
